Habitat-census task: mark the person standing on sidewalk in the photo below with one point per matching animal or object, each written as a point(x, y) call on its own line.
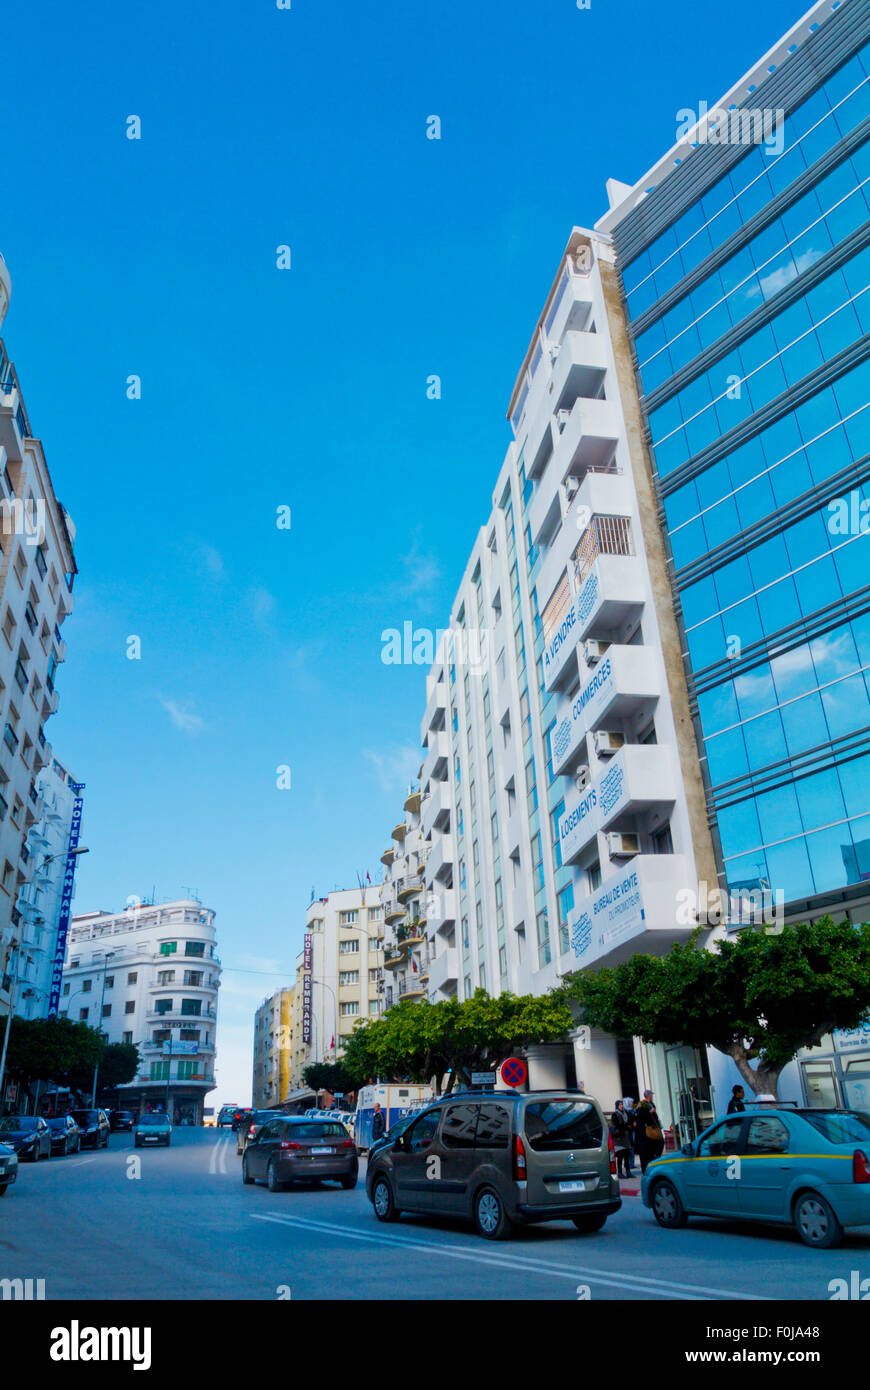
point(620, 1129)
point(649, 1139)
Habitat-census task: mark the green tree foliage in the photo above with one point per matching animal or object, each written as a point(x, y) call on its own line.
point(419, 1041)
point(51, 1049)
point(759, 997)
point(328, 1076)
point(119, 1065)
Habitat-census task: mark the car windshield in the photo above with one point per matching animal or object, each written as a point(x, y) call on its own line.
point(154, 1120)
point(840, 1127)
point(21, 1124)
point(552, 1125)
point(85, 1117)
point(59, 1122)
point(313, 1130)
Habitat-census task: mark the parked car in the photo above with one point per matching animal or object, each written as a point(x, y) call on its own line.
point(226, 1115)
point(120, 1121)
point(242, 1116)
point(66, 1137)
point(806, 1168)
point(28, 1135)
point(8, 1168)
point(245, 1133)
point(94, 1125)
point(152, 1128)
point(503, 1159)
point(292, 1147)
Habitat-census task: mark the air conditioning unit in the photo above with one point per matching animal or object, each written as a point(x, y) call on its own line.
point(572, 486)
point(607, 743)
point(582, 778)
point(562, 418)
point(553, 351)
point(622, 846)
point(594, 650)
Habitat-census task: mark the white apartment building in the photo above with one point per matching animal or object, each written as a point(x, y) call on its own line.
point(272, 1075)
point(562, 808)
point(39, 900)
point(37, 569)
point(345, 970)
point(404, 899)
point(150, 975)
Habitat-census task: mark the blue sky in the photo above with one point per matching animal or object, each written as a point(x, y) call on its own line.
point(303, 388)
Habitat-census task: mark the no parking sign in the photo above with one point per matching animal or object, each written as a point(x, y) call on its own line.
point(513, 1071)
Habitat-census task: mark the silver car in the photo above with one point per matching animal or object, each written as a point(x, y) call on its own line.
point(8, 1168)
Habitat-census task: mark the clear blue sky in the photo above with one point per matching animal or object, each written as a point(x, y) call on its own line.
point(304, 388)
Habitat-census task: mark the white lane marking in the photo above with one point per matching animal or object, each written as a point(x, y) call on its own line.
point(218, 1161)
point(81, 1163)
point(663, 1288)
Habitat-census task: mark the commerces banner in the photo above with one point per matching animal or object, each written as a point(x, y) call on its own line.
point(65, 902)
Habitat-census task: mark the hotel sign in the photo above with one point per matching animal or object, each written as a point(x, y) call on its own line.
point(307, 962)
point(66, 896)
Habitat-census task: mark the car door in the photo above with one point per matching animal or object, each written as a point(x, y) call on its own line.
point(411, 1164)
point(260, 1151)
point(43, 1137)
point(765, 1167)
point(712, 1176)
point(453, 1158)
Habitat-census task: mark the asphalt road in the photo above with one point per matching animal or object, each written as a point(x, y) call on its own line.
point(187, 1227)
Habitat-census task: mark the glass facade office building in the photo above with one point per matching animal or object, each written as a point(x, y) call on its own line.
point(746, 276)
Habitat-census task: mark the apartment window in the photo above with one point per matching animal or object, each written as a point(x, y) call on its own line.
point(159, 1071)
point(39, 557)
point(348, 977)
point(130, 1006)
point(74, 964)
point(193, 977)
point(191, 1007)
point(107, 1011)
point(663, 841)
point(30, 617)
point(86, 986)
point(10, 738)
point(110, 981)
point(374, 1006)
point(345, 918)
point(348, 948)
point(132, 977)
point(566, 907)
point(163, 1006)
point(20, 567)
point(160, 1036)
point(165, 977)
point(374, 914)
point(194, 948)
point(350, 1009)
point(126, 1037)
point(543, 933)
point(593, 876)
point(188, 1034)
point(83, 1015)
point(66, 988)
point(168, 948)
point(17, 808)
point(374, 976)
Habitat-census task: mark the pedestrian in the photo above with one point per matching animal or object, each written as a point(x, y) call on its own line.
point(649, 1139)
point(379, 1124)
point(620, 1129)
point(735, 1104)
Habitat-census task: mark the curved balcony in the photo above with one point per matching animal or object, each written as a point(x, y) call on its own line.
point(412, 803)
point(399, 831)
point(394, 912)
point(416, 936)
point(394, 957)
point(387, 856)
point(411, 989)
point(409, 888)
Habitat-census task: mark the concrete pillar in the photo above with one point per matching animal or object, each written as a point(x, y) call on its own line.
point(546, 1062)
point(597, 1064)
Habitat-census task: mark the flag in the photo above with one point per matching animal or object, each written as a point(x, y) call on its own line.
point(368, 877)
point(332, 1044)
point(413, 965)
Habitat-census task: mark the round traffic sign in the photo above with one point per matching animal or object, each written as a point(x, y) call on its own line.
point(513, 1071)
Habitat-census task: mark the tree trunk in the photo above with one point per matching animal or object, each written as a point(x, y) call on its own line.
point(761, 1080)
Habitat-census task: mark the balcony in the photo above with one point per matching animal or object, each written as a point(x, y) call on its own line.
point(393, 911)
point(623, 685)
point(609, 596)
point(560, 637)
point(436, 808)
point(399, 831)
point(395, 955)
point(412, 988)
point(13, 419)
point(572, 305)
point(639, 779)
point(387, 856)
point(589, 432)
point(437, 757)
point(153, 1015)
point(634, 911)
point(441, 911)
point(441, 858)
point(444, 969)
point(436, 707)
point(412, 803)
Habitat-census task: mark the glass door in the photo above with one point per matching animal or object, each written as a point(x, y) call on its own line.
point(821, 1085)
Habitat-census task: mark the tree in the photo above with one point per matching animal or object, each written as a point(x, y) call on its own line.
point(757, 997)
point(119, 1065)
point(51, 1049)
point(328, 1076)
point(416, 1042)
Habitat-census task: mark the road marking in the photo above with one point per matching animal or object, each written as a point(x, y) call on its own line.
point(218, 1162)
point(660, 1288)
point(81, 1163)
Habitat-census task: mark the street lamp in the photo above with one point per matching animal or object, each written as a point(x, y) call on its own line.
point(106, 958)
point(64, 854)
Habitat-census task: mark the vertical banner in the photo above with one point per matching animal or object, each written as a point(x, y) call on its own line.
point(308, 961)
point(65, 902)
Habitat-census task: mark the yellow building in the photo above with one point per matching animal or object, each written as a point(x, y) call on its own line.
point(273, 1049)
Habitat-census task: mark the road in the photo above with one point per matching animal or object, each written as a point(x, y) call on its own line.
point(187, 1228)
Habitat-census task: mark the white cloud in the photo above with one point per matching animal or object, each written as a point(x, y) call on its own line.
point(183, 717)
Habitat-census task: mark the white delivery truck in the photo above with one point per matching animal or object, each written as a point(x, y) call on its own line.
point(396, 1099)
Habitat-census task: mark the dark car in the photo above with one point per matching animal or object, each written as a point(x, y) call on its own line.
point(66, 1137)
point(120, 1120)
point(500, 1160)
point(246, 1132)
point(94, 1126)
point(242, 1116)
point(290, 1147)
point(8, 1168)
point(28, 1135)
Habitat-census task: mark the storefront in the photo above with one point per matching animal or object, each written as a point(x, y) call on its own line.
point(838, 1073)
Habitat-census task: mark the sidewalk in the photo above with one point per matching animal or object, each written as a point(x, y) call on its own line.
point(630, 1187)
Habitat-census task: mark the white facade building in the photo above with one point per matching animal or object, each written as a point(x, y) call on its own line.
point(150, 975)
point(37, 569)
point(404, 902)
point(346, 974)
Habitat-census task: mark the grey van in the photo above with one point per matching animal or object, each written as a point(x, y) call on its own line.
point(500, 1159)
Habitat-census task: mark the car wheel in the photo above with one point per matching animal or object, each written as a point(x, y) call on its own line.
point(65, 1150)
point(273, 1182)
point(490, 1217)
point(593, 1222)
point(668, 1210)
point(816, 1222)
point(349, 1182)
point(246, 1177)
point(382, 1201)
point(4, 1189)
